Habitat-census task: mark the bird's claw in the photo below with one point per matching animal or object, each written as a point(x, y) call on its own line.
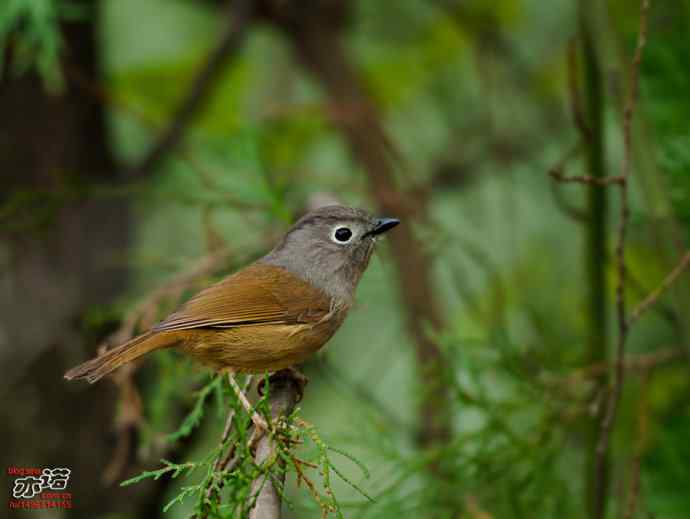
point(294, 374)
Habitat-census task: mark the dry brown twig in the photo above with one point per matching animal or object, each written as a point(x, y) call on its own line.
point(638, 363)
point(170, 139)
point(223, 460)
point(556, 172)
point(586, 179)
point(609, 415)
point(653, 296)
point(642, 435)
point(622, 364)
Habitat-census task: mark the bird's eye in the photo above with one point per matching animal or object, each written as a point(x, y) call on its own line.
point(342, 235)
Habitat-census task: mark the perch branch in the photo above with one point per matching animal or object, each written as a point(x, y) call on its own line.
point(283, 395)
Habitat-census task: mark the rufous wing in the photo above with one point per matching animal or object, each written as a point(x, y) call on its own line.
point(257, 294)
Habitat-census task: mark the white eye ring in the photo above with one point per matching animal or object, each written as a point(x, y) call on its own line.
point(342, 234)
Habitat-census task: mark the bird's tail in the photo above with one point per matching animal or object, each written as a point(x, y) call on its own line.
point(92, 370)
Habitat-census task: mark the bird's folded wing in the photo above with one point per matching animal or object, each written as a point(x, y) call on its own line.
point(258, 294)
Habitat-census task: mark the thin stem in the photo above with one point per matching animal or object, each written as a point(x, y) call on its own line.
point(609, 417)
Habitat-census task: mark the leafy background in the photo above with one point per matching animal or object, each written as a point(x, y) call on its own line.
point(475, 99)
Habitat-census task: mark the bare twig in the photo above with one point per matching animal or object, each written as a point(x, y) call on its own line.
point(587, 179)
point(639, 363)
point(652, 298)
point(642, 434)
point(660, 307)
point(222, 461)
point(102, 94)
point(609, 415)
point(557, 171)
point(256, 418)
point(228, 423)
point(229, 43)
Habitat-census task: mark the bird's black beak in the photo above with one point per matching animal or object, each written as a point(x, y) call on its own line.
point(383, 225)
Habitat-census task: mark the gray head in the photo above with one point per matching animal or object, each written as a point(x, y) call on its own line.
point(331, 247)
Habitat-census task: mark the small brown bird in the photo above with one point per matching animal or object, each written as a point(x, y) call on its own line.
point(272, 314)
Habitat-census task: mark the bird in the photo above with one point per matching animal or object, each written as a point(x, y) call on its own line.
point(272, 314)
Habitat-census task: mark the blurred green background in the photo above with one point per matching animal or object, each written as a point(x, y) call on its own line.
point(471, 376)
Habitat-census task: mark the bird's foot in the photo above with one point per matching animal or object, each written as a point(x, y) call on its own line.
point(301, 380)
point(293, 374)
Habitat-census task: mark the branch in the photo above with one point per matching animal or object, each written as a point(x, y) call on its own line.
point(587, 179)
point(283, 396)
point(652, 298)
point(593, 138)
point(556, 172)
point(641, 444)
point(609, 416)
point(228, 45)
point(642, 363)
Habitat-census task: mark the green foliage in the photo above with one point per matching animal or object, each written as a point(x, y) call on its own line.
point(475, 97)
point(170, 468)
point(224, 490)
point(193, 419)
point(475, 100)
point(32, 28)
point(663, 100)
